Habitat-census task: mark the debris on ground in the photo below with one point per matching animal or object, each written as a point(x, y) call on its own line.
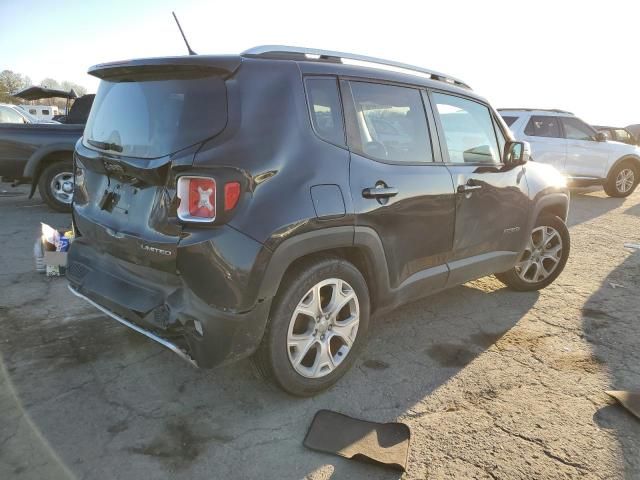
point(629, 400)
point(382, 443)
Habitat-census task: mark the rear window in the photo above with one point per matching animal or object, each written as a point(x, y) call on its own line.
point(509, 120)
point(154, 118)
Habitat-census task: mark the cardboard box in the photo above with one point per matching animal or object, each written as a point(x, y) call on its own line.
point(55, 263)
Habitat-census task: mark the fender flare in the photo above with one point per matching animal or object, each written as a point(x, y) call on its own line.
point(551, 200)
point(325, 239)
point(35, 159)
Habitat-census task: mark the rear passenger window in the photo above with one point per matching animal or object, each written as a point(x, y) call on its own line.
point(509, 120)
point(468, 130)
point(543, 126)
point(325, 109)
point(391, 123)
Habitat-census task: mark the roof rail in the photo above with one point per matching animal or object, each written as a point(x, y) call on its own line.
point(554, 110)
point(313, 54)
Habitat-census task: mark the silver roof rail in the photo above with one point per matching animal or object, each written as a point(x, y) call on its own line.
point(553, 110)
point(282, 51)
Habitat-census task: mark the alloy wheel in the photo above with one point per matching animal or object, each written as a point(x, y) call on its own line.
point(323, 328)
point(542, 255)
point(61, 187)
point(624, 180)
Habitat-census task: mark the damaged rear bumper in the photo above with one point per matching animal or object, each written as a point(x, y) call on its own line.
point(166, 343)
point(162, 307)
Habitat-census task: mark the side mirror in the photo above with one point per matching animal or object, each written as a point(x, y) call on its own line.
point(516, 153)
point(601, 137)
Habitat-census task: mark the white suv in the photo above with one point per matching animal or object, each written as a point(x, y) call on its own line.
point(584, 155)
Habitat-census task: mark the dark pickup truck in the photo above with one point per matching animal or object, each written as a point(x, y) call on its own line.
point(42, 153)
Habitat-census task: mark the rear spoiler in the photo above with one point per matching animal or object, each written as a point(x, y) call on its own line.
point(224, 65)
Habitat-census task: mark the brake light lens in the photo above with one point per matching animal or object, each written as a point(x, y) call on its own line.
point(231, 195)
point(197, 199)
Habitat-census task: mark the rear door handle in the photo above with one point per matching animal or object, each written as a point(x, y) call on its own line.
point(468, 188)
point(379, 192)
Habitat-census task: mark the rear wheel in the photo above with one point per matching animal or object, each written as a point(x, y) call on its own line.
point(56, 185)
point(622, 180)
point(544, 257)
point(317, 326)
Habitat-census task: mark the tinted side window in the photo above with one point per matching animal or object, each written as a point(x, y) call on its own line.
point(325, 109)
point(509, 120)
point(392, 124)
point(575, 129)
point(468, 130)
point(543, 126)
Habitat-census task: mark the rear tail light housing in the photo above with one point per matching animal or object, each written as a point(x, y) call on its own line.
point(204, 199)
point(231, 195)
point(197, 199)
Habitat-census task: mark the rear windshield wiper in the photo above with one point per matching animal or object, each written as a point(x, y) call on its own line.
point(105, 145)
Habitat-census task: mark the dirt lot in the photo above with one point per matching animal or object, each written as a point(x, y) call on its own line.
point(494, 384)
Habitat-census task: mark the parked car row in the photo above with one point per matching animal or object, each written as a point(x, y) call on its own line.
point(618, 134)
point(576, 149)
point(269, 203)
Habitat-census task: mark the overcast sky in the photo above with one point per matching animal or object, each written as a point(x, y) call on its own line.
point(576, 55)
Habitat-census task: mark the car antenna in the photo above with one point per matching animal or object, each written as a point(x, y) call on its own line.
point(191, 52)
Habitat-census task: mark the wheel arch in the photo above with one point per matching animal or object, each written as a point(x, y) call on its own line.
point(43, 157)
point(556, 204)
point(360, 246)
point(635, 159)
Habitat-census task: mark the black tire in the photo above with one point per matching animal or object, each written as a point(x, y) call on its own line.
point(610, 186)
point(44, 185)
point(272, 357)
point(512, 279)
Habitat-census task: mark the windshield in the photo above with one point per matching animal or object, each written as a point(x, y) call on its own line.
point(154, 118)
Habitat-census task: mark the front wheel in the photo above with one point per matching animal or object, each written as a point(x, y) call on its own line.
point(317, 325)
point(622, 180)
point(544, 257)
point(56, 185)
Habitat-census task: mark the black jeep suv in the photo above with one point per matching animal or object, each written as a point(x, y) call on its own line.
point(269, 203)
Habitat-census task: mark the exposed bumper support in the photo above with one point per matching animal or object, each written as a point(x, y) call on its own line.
point(174, 348)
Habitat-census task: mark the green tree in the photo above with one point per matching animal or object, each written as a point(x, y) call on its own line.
point(10, 83)
point(66, 85)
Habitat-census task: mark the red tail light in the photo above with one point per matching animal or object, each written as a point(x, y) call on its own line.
point(231, 195)
point(197, 199)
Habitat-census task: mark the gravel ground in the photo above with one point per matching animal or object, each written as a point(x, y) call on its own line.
point(494, 384)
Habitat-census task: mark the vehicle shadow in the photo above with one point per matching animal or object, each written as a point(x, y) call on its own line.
point(610, 325)
point(635, 210)
point(584, 209)
point(112, 404)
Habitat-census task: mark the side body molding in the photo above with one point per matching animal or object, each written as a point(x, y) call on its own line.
point(384, 295)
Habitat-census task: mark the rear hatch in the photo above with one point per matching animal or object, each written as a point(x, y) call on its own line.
point(147, 122)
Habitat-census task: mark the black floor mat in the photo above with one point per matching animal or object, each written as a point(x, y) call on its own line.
point(383, 443)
